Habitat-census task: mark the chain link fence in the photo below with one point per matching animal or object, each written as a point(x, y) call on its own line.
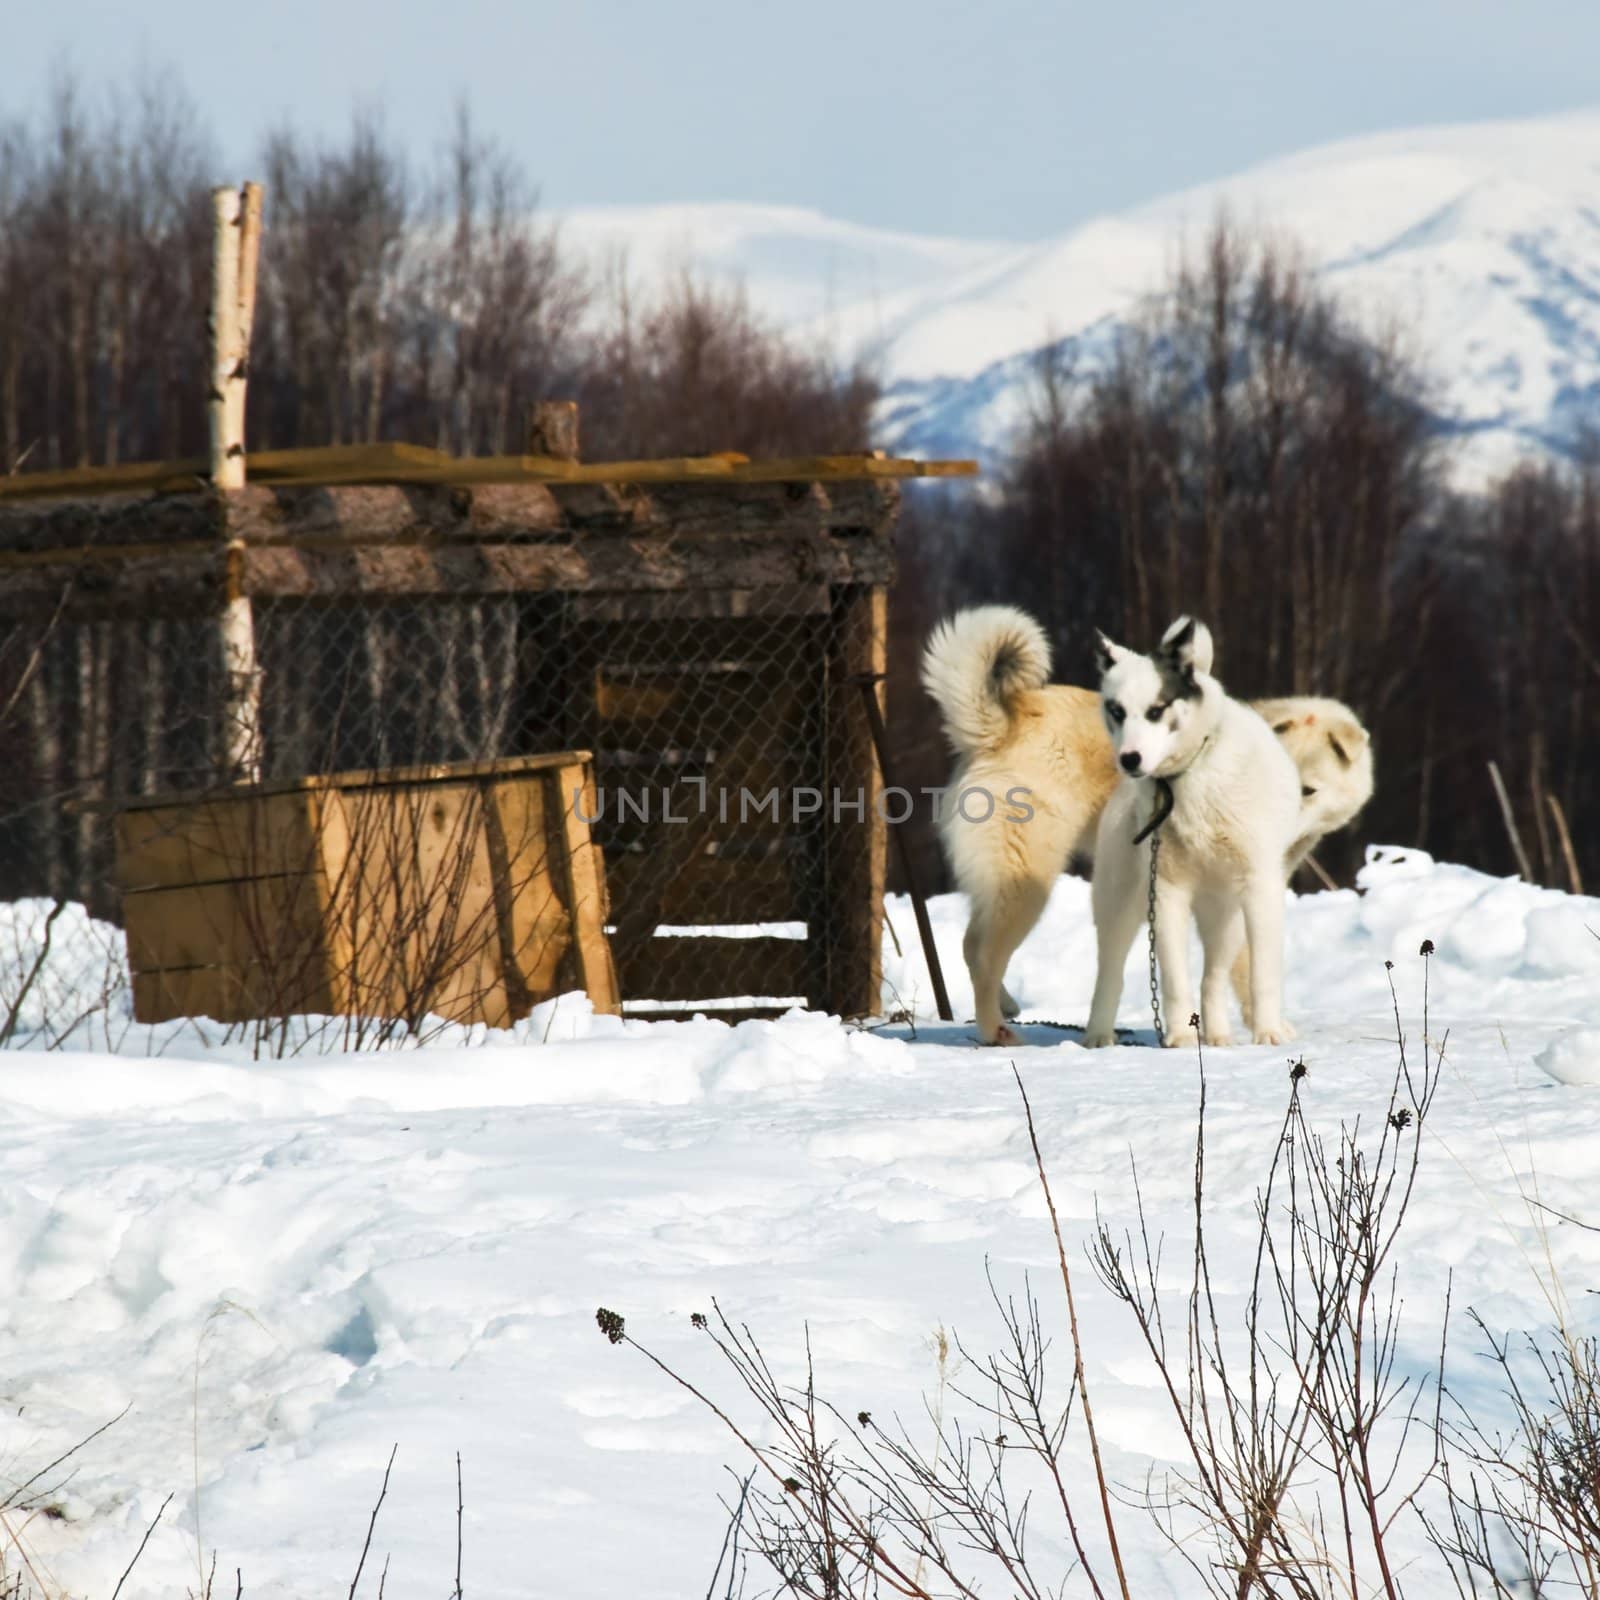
point(720, 724)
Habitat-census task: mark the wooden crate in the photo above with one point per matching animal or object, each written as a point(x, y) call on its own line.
point(471, 891)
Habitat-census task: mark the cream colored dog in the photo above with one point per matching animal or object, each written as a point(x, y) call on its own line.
point(1039, 760)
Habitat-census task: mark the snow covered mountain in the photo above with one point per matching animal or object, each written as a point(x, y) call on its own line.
point(1482, 241)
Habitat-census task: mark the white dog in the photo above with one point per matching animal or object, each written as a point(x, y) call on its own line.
point(1207, 770)
point(1045, 744)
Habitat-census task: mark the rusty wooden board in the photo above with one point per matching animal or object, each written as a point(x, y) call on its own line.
point(402, 463)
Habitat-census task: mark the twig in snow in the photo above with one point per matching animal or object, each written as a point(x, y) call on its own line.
point(28, 982)
point(1080, 1382)
point(731, 1536)
point(372, 1523)
point(458, 1525)
point(15, 1498)
point(142, 1543)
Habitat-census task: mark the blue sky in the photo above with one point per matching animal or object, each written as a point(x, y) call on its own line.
point(993, 118)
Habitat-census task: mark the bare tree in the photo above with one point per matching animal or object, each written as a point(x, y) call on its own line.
point(336, 232)
point(696, 371)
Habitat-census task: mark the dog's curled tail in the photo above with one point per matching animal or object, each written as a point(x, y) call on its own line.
point(975, 666)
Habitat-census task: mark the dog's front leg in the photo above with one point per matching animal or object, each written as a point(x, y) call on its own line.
point(1240, 974)
point(1222, 939)
point(1174, 907)
point(1263, 921)
point(1118, 911)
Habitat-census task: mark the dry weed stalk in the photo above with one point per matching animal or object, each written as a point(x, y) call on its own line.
point(1298, 1425)
point(1522, 1513)
point(1311, 1428)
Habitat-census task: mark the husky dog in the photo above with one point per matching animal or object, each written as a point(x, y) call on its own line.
point(1014, 733)
point(1207, 770)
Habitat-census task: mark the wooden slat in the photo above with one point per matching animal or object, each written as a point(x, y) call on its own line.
point(189, 579)
point(468, 470)
point(87, 585)
point(215, 839)
point(622, 565)
point(156, 476)
point(48, 529)
point(322, 464)
point(403, 463)
point(229, 994)
point(585, 871)
point(266, 920)
point(112, 527)
point(368, 778)
point(712, 967)
point(308, 463)
point(534, 926)
point(411, 898)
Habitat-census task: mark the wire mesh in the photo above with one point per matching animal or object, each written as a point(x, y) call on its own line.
point(716, 740)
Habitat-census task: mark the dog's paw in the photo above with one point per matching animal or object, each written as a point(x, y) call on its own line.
point(1278, 1033)
point(1180, 1038)
point(1002, 1035)
point(1098, 1041)
point(1218, 1038)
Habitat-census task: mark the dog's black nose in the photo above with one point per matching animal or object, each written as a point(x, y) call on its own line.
point(1131, 760)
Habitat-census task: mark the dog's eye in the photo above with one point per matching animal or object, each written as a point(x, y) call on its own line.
point(1115, 711)
point(1305, 793)
point(1155, 713)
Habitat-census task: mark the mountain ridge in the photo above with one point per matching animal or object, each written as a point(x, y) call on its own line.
point(1480, 240)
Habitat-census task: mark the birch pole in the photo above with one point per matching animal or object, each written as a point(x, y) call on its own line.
point(235, 249)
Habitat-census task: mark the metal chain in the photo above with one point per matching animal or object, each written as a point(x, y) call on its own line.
point(1150, 928)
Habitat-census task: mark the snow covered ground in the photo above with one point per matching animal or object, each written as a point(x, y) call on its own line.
point(282, 1269)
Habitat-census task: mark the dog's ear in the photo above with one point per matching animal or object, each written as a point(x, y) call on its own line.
point(1348, 739)
point(1107, 653)
point(1187, 645)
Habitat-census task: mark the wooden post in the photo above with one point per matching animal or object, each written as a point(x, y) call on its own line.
point(870, 690)
point(235, 248)
point(586, 891)
point(553, 430)
point(856, 841)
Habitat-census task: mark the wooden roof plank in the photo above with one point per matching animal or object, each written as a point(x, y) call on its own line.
point(335, 465)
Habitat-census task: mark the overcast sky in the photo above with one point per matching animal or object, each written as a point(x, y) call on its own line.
point(989, 118)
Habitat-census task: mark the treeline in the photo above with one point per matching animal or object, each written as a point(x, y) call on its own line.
point(1246, 451)
point(433, 306)
point(1248, 455)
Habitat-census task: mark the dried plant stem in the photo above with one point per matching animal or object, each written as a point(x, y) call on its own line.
point(372, 1523)
point(1509, 818)
point(140, 1551)
point(1564, 837)
point(1079, 1380)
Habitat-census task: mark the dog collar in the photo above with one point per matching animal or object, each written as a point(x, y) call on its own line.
point(1164, 804)
point(1164, 797)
